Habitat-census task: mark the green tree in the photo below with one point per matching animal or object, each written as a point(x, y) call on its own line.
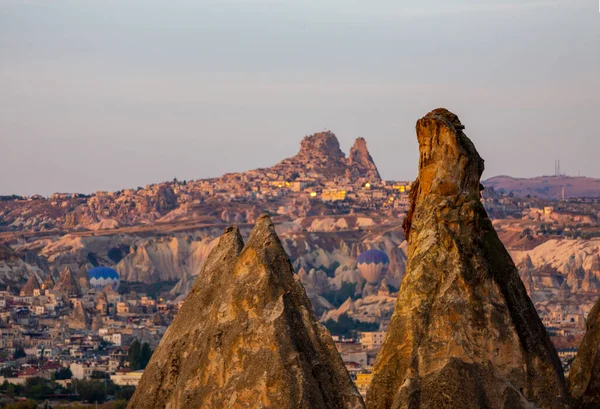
point(135, 355)
point(125, 392)
point(98, 375)
point(37, 388)
point(346, 326)
point(63, 373)
point(338, 297)
point(145, 355)
point(19, 353)
point(91, 390)
point(8, 372)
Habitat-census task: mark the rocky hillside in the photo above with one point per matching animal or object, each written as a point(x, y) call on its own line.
point(247, 337)
point(547, 187)
point(464, 333)
point(13, 269)
point(320, 154)
point(319, 161)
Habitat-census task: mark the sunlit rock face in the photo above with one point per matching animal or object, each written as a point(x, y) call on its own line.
point(246, 337)
point(584, 379)
point(464, 333)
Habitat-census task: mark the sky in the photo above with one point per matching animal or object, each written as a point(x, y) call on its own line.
point(106, 95)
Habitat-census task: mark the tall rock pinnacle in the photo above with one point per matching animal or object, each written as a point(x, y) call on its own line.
point(464, 333)
point(584, 379)
point(361, 162)
point(246, 337)
point(184, 349)
point(67, 284)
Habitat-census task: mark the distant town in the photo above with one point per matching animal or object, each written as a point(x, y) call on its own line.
point(90, 283)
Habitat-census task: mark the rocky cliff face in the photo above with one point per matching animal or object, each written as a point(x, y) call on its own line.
point(361, 163)
point(464, 333)
point(323, 144)
point(246, 337)
point(168, 258)
point(584, 379)
point(13, 268)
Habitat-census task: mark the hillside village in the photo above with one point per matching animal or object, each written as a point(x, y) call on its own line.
point(327, 208)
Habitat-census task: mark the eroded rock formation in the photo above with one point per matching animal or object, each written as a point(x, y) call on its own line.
point(464, 333)
point(361, 163)
point(246, 337)
point(67, 284)
point(584, 379)
point(30, 287)
point(79, 319)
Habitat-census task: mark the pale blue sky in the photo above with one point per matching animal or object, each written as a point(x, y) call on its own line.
point(103, 95)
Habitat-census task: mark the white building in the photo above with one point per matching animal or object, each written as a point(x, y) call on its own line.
point(123, 378)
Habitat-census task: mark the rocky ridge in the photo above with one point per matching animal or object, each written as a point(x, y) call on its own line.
point(246, 337)
point(464, 332)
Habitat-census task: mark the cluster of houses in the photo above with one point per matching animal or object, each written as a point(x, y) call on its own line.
point(48, 326)
point(359, 356)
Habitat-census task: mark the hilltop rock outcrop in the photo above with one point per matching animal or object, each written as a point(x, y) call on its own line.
point(584, 378)
point(319, 153)
point(464, 333)
point(246, 337)
point(361, 163)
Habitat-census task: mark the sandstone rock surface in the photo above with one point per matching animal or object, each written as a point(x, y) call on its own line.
point(464, 333)
point(246, 337)
point(584, 379)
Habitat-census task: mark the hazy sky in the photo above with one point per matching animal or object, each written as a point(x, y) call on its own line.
point(104, 95)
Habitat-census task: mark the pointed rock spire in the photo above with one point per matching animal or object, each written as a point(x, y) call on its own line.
point(526, 263)
point(30, 286)
point(79, 318)
point(384, 289)
point(48, 283)
point(67, 284)
point(464, 333)
point(246, 337)
point(348, 307)
point(360, 161)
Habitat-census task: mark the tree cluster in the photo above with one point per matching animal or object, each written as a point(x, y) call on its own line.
point(139, 355)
